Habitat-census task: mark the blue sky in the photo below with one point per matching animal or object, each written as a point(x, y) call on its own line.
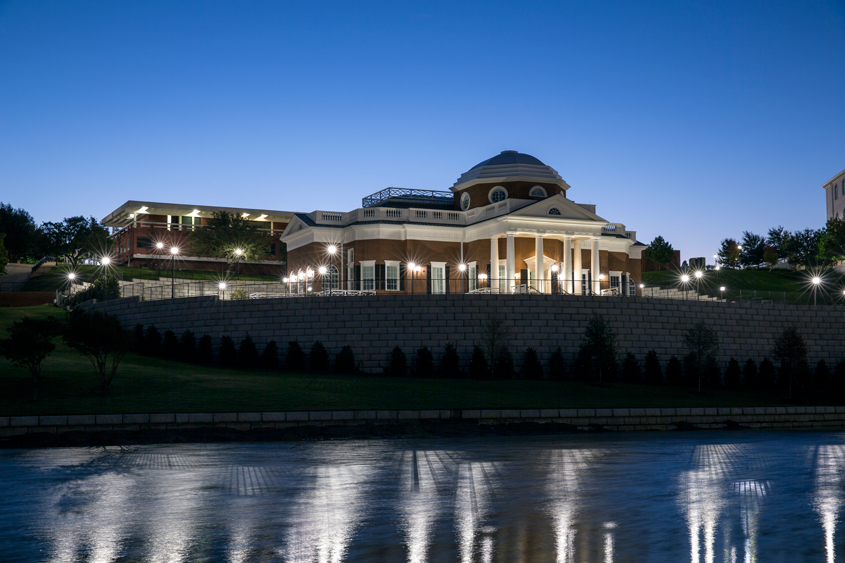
point(691, 120)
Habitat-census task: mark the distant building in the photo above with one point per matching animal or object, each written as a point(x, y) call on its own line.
point(835, 196)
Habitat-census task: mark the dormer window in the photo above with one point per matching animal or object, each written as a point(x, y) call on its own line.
point(498, 194)
point(554, 211)
point(537, 191)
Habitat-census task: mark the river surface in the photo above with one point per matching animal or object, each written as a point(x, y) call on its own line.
point(660, 497)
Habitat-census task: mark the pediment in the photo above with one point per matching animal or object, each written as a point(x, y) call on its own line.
point(294, 226)
point(568, 210)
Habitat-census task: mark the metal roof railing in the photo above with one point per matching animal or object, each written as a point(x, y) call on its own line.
point(408, 195)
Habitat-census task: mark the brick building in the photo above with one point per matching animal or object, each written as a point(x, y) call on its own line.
point(506, 225)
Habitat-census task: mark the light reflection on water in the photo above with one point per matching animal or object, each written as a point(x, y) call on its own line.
point(702, 497)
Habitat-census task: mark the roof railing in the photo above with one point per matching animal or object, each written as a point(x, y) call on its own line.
point(408, 195)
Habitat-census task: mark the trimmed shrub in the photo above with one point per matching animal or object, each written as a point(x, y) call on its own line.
point(138, 339)
point(767, 376)
point(424, 366)
point(712, 376)
point(821, 377)
point(478, 368)
point(450, 363)
point(398, 364)
point(733, 375)
point(652, 371)
point(631, 372)
point(318, 359)
point(295, 359)
point(749, 374)
point(838, 382)
point(557, 365)
point(503, 366)
point(170, 345)
point(345, 360)
point(205, 351)
point(270, 356)
point(188, 347)
point(228, 354)
point(531, 366)
point(248, 354)
point(674, 372)
point(152, 341)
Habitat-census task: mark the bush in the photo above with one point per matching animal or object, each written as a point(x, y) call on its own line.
point(767, 376)
point(398, 365)
point(503, 366)
point(597, 356)
point(531, 366)
point(152, 341)
point(295, 359)
point(838, 382)
point(345, 360)
point(424, 366)
point(821, 377)
point(138, 339)
point(652, 371)
point(557, 365)
point(790, 351)
point(712, 376)
point(450, 363)
point(248, 354)
point(107, 287)
point(749, 374)
point(205, 351)
point(478, 368)
point(188, 347)
point(228, 354)
point(690, 377)
point(631, 372)
point(733, 375)
point(270, 356)
point(674, 372)
point(318, 359)
point(30, 342)
point(170, 345)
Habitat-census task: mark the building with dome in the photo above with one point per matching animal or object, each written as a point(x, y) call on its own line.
point(507, 225)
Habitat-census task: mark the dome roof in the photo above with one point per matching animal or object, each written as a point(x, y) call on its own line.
point(509, 164)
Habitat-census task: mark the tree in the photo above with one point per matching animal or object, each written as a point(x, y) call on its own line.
point(598, 348)
point(345, 360)
point(170, 345)
point(270, 356)
point(100, 338)
point(531, 366)
point(653, 373)
point(188, 347)
point(753, 247)
point(495, 335)
point(749, 374)
point(790, 352)
point(450, 363)
point(478, 368)
point(398, 366)
point(660, 252)
point(75, 238)
point(30, 342)
point(557, 365)
point(248, 357)
point(424, 366)
point(205, 350)
point(803, 247)
point(318, 358)
point(778, 238)
point(503, 367)
point(228, 352)
point(728, 255)
point(4, 255)
point(733, 374)
point(831, 245)
point(295, 359)
point(766, 375)
point(770, 256)
point(226, 233)
point(20, 230)
point(631, 372)
point(674, 371)
point(702, 342)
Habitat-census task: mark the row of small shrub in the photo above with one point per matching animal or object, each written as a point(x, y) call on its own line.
point(449, 366)
point(188, 348)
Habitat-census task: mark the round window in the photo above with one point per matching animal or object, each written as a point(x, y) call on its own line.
point(465, 201)
point(537, 191)
point(498, 194)
point(554, 211)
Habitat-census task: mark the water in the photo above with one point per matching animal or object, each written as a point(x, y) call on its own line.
point(698, 497)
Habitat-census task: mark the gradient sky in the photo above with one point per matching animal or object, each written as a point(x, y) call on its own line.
point(691, 120)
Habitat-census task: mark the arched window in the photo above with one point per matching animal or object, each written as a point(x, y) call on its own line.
point(331, 279)
point(537, 191)
point(554, 211)
point(498, 194)
point(464, 201)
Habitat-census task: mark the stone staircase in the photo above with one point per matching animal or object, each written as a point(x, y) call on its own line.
point(675, 293)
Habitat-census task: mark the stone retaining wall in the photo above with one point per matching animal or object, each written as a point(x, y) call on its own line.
point(374, 325)
point(585, 419)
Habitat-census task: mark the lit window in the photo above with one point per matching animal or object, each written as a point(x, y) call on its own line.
point(632, 288)
point(464, 201)
point(391, 276)
point(368, 275)
point(438, 277)
point(554, 211)
point(503, 286)
point(537, 191)
point(330, 280)
point(498, 194)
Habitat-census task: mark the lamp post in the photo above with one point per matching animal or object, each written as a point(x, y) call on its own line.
point(685, 281)
point(816, 282)
point(238, 254)
point(698, 275)
point(555, 270)
point(174, 250)
point(70, 277)
point(462, 268)
point(323, 270)
point(222, 287)
point(332, 250)
point(722, 292)
point(412, 270)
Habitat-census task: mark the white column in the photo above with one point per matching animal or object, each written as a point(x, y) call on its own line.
point(539, 270)
point(510, 256)
point(594, 266)
point(576, 266)
point(494, 264)
point(566, 271)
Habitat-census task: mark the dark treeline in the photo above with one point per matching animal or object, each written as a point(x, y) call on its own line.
point(808, 248)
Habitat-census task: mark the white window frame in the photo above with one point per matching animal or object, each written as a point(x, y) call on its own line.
point(585, 281)
point(350, 268)
point(472, 270)
point(465, 198)
point(438, 284)
point(503, 274)
point(618, 276)
point(541, 188)
point(494, 189)
point(368, 283)
point(558, 214)
point(388, 280)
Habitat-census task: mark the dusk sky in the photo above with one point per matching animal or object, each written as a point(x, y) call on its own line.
point(691, 120)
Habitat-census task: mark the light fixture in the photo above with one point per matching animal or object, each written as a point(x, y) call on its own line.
point(817, 280)
point(412, 266)
point(174, 250)
point(244, 215)
point(309, 288)
point(238, 252)
point(516, 275)
point(715, 256)
point(718, 267)
point(739, 247)
point(159, 245)
point(601, 276)
point(332, 249)
point(642, 285)
point(105, 261)
point(554, 268)
point(685, 278)
point(309, 272)
point(71, 276)
point(482, 276)
point(722, 288)
point(285, 280)
point(323, 270)
point(418, 269)
point(462, 267)
point(221, 285)
point(698, 274)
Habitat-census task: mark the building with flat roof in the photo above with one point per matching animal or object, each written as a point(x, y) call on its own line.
point(507, 225)
point(835, 196)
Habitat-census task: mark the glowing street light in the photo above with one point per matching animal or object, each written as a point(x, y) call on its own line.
point(462, 267)
point(239, 252)
point(105, 261)
point(722, 292)
point(222, 287)
point(174, 250)
point(322, 270)
point(816, 282)
point(332, 249)
point(159, 245)
point(698, 274)
point(685, 278)
point(70, 277)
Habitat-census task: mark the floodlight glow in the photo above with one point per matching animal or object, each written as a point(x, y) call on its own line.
point(554, 267)
point(238, 251)
point(642, 286)
point(698, 274)
point(739, 247)
point(722, 288)
point(685, 278)
point(309, 272)
point(412, 266)
point(601, 276)
point(159, 245)
point(462, 267)
point(817, 280)
point(715, 256)
point(309, 288)
point(71, 276)
point(174, 250)
point(331, 249)
point(221, 285)
point(482, 276)
point(105, 261)
point(323, 270)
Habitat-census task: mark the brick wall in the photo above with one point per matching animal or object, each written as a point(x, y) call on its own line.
point(373, 325)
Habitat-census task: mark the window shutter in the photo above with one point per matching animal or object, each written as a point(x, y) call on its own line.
point(357, 283)
point(448, 281)
point(523, 277)
point(488, 275)
point(623, 285)
point(382, 274)
point(428, 279)
point(403, 271)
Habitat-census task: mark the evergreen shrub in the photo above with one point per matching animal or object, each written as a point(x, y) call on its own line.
point(248, 354)
point(270, 356)
point(345, 360)
point(398, 364)
point(228, 353)
point(295, 358)
point(531, 366)
point(318, 359)
point(424, 366)
point(478, 368)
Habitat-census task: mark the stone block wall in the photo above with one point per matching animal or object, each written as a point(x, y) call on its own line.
point(373, 325)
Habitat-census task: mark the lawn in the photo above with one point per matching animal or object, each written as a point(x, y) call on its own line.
point(146, 385)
